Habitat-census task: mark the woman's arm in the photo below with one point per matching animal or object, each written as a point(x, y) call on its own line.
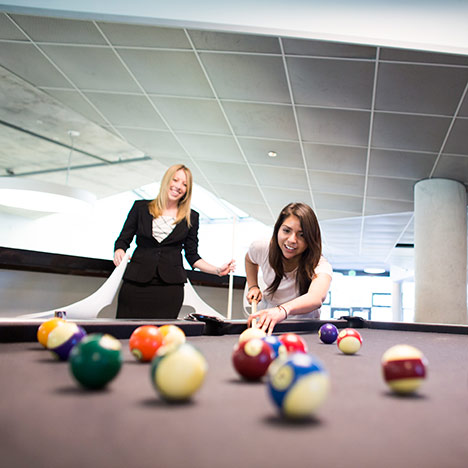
point(312, 300)
point(220, 271)
point(251, 273)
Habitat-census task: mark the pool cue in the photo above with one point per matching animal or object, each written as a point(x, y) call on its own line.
point(231, 273)
point(253, 324)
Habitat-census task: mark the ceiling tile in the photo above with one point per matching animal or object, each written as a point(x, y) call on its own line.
point(375, 206)
point(247, 77)
point(457, 141)
point(288, 153)
point(332, 215)
point(463, 112)
point(226, 173)
point(28, 63)
point(334, 126)
point(339, 184)
point(211, 147)
point(133, 35)
point(127, 110)
point(336, 158)
point(280, 197)
point(261, 120)
point(401, 164)
point(211, 40)
point(8, 30)
point(153, 142)
point(332, 83)
point(281, 177)
point(338, 202)
point(391, 189)
point(418, 56)
point(238, 193)
point(420, 89)
point(326, 49)
point(92, 68)
point(453, 167)
point(192, 115)
point(409, 132)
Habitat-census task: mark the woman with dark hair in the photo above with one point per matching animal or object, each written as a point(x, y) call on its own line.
point(296, 274)
point(153, 285)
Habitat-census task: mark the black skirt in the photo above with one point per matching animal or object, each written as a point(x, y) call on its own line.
point(155, 300)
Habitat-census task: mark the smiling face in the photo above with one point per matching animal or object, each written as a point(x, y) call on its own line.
point(291, 238)
point(177, 186)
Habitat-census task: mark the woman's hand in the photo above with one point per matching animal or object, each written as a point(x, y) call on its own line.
point(119, 254)
point(254, 294)
point(267, 319)
point(226, 268)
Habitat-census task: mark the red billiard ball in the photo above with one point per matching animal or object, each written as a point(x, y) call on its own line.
point(293, 343)
point(145, 342)
point(251, 358)
point(349, 341)
point(404, 368)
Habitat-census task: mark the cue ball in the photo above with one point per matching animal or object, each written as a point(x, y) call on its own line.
point(46, 327)
point(179, 372)
point(404, 368)
point(293, 343)
point(250, 333)
point(328, 333)
point(349, 341)
point(145, 342)
point(96, 360)
point(251, 358)
point(298, 384)
point(63, 338)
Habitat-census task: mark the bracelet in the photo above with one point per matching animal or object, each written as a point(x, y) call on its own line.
point(280, 307)
point(253, 286)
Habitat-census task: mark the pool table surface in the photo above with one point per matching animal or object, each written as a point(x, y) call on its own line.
point(47, 420)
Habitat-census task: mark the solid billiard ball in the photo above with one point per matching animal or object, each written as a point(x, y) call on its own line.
point(404, 368)
point(275, 344)
point(63, 338)
point(293, 343)
point(145, 342)
point(96, 360)
point(349, 341)
point(298, 384)
point(251, 358)
point(46, 327)
point(172, 335)
point(250, 333)
point(328, 333)
point(178, 372)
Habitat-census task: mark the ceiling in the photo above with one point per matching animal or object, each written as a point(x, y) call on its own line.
point(354, 127)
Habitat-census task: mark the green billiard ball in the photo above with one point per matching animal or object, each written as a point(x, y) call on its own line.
point(96, 360)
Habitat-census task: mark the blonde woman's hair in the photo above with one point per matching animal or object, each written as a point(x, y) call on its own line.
point(157, 206)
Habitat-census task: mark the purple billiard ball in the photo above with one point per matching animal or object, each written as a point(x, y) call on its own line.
point(328, 333)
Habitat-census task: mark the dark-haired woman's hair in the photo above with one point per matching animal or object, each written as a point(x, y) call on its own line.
point(309, 258)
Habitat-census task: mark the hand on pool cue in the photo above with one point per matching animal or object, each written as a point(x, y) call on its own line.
point(253, 322)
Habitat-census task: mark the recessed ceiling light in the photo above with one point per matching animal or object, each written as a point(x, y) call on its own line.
point(374, 271)
point(272, 154)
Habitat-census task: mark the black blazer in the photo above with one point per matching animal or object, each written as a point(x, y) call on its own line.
point(152, 256)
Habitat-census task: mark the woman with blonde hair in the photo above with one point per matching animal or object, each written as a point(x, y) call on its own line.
point(153, 283)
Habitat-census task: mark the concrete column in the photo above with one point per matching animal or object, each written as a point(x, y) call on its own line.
point(440, 251)
point(397, 311)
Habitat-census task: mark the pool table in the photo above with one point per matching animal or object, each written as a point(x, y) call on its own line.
point(47, 420)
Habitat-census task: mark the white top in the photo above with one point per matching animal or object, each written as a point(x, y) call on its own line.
point(258, 253)
point(162, 227)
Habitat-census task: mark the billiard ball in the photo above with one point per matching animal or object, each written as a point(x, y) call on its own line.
point(349, 341)
point(328, 333)
point(293, 343)
point(172, 335)
point(275, 344)
point(96, 360)
point(178, 372)
point(46, 327)
point(298, 384)
point(251, 358)
point(404, 368)
point(145, 342)
point(250, 333)
point(63, 338)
